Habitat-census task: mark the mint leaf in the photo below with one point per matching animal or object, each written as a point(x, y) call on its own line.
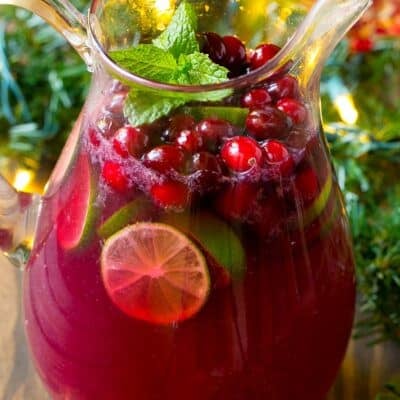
point(200, 70)
point(143, 107)
point(147, 61)
point(173, 58)
point(180, 35)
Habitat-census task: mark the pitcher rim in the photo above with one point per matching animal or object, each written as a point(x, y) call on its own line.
point(271, 68)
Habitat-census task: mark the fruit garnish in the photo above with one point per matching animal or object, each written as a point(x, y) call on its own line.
point(241, 153)
point(175, 58)
point(235, 115)
point(215, 237)
point(136, 210)
point(75, 222)
point(154, 273)
point(318, 205)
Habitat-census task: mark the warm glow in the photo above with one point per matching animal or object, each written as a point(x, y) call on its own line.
point(164, 10)
point(346, 108)
point(163, 6)
point(23, 178)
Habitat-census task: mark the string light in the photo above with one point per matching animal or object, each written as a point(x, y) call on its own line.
point(23, 178)
point(346, 108)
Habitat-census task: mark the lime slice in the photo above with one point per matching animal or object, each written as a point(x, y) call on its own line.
point(134, 211)
point(235, 115)
point(152, 272)
point(318, 205)
point(75, 222)
point(215, 238)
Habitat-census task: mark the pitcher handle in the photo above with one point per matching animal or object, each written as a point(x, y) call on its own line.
point(64, 17)
point(18, 217)
point(19, 211)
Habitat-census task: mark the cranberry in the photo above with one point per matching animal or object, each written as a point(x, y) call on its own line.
point(294, 109)
point(286, 86)
point(237, 200)
point(268, 122)
point(206, 170)
point(213, 130)
point(306, 183)
point(262, 54)
point(94, 137)
point(115, 176)
point(130, 141)
point(116, 105)
point(241, 153)
point(178, 123)
point(170, 194)
point(107, 124)
point(190, 140)
point(214, 46)
point(236, 57)
point(165, 157)
point(256, 98)
point(278, 155)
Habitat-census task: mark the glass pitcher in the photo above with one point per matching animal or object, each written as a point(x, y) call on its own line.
point(192, 241)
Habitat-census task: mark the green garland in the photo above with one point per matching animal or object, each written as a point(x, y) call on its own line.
point(42, 86)
point(367, 159)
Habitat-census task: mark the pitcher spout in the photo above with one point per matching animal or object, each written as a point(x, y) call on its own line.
point(319, 33)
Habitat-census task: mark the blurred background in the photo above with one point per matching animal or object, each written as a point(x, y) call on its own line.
point(43, 84)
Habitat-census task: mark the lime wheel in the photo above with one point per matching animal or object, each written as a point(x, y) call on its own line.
point(154, 273)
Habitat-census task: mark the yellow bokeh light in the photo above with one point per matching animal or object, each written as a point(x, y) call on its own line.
point(346, 108)
point(163, 6)
point(23, 178)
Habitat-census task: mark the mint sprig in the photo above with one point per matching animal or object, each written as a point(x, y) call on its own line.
point(180, 35)
point(173, 58)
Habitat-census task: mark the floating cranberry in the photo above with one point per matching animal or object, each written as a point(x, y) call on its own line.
point(170, 194)
point(107, 124)
point(268, 122)
point(115, 176)
point(205, 161)
point(286, 86)
point(293, 109)
point(236, 57)
point(164, 158)
point(262, 54)
point(206, 171)
point(190, 140)
point(237, 200)
point(130, 141)
point(214, 46)
point(94, 136)
point(256, 98)
point(278, 156)
point(177, 124)
point(213, 130)
point(116, 105)
point(306, 183)
point(241, 153)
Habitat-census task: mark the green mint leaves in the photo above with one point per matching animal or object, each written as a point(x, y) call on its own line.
point(180, 35)
point(173, 58)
